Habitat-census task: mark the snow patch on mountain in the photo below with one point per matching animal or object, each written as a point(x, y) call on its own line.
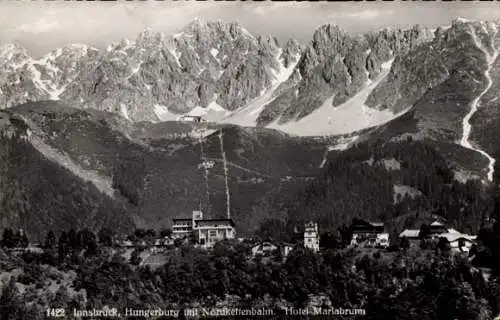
point(466, 126)
point(247, 116)
point(46, 86)
point(177, 56)
point(351, 116)
point(124, 111)
point(135, 69)
point(213, 112)
point(164, 114)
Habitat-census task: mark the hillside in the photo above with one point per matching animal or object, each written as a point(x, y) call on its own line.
point(114, 131)
point(371, 181)
point(43, 190)
point(151, 172)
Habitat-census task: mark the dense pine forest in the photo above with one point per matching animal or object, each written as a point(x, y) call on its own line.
point(362, 182)
point(82, 270)
point(418, 283)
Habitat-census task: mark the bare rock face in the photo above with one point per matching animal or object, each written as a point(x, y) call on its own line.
point(217, 69)
point(212, 67)
point(23, 78)
point(209, 66)
point(451, 53)
point(338, 64)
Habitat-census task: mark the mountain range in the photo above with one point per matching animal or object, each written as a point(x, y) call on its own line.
point(105, 122)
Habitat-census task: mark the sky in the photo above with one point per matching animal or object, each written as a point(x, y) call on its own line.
point(41, 26)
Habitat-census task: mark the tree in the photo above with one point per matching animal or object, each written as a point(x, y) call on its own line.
point(23, 241)
point(328, 241)
point(443, 245)
point(151, 233)
point(178, 242)
point(135, 258)
point(72, 240)
point(140, 233)
point(63, 246)
point(105, 236)
point(345, 235)
point(50, 240)
point(165, 233)
point(61, 298)
point(8, 238)
point(11, 306)
point(405, 243)
point(425, 231)
point(87, 240)
point(272, 229)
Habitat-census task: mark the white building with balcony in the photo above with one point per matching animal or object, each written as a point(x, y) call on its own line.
point(182, 228)
point(204, 232)
point(208, 232)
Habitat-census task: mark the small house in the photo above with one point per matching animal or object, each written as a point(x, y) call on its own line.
point(369, 234)
point(458, 241)
point(264, 248)
point(286, 248)
point(412, 235)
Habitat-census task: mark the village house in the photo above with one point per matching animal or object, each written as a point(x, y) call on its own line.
point(286, 248)
point(124, 243)
point(264, 248)
point(161, 244)
point(267, 248)
point(458, 241)
point(369, 234)
point(204, 232)
point(412, 235)
point(311, 236)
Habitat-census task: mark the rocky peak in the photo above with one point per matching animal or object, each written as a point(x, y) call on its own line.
point(268, 44)
point(13, 53)
point(148, 38)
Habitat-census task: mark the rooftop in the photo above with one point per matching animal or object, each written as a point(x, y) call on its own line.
point(437, 224)
point(215, 221)
point(410, 233)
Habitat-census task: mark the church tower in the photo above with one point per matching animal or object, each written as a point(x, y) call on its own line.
point(311, 236)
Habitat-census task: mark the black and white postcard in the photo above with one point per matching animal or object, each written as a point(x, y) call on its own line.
point(250, 160)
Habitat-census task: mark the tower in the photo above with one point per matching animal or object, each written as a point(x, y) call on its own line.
point(311, 236)
point(197, 215)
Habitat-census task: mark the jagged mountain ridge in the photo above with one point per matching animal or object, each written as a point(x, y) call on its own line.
point(339, 65)
point(218, 68)
point(213, 67)
point(24, 78)
point(373, 78)
point(450, 85)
